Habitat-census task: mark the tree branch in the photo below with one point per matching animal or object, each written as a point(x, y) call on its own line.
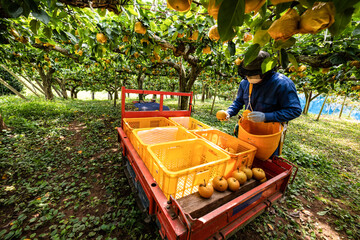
point(63, 51)
point(324, 61)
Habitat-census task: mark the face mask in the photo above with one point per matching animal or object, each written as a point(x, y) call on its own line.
point(254, 79)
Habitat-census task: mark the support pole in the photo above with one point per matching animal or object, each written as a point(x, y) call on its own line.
point(20, 80)
point(12, 89)
point(322, 107)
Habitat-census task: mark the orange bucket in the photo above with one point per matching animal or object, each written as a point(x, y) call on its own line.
point(264, 136)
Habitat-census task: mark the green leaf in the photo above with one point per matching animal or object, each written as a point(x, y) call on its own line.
point(168, 22)
point(132, 11)
point(293, 61)
point(47, 32)
point(3, 232)
point(261, 37)
point(284, 44)
point(174, 36)
point(322, 213)
point(231, 48)
point(342, 20)
point(153, 26)
point(34, 26)
point(337, 59)
point(284, 59)
point(356, 31)
point(281, 8)
point(72, 37)
point(42, 16)
point(251, 53)
point(205, 3)
point(231, 14)
point(101, 12)
point(15, 10)
point(268, 64)
point(342, 6)
point(62, 14)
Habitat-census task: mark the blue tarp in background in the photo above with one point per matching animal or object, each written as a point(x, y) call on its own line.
point(150, 106)
point(333, 108)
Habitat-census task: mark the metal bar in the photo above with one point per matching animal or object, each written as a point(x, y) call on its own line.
point(246, 218)
point(161, 103)
point(293, 165)
point(190, 102)
point(186, 221)
point(140, 114)
point(122, 104)
point(157, 92)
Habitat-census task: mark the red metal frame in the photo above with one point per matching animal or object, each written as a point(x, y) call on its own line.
point(219, 223)
point(161, 112)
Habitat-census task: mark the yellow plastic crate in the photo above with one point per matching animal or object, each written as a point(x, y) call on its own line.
point(144, 137)
point(151, 122)
point(241, 153)
point(179, 167)
point(190, 123)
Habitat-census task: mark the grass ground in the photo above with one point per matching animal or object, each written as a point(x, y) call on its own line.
point(61, 176)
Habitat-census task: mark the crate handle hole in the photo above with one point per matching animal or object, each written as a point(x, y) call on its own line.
point(153, 184)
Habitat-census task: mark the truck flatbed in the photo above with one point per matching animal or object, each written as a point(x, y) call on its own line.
point(193, 217)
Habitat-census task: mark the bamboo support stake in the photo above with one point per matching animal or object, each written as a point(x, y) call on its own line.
point(57, 92)
point(322, 107)
point(20, 80)
point(12, 89)
point(342, 107)
point(34, 86)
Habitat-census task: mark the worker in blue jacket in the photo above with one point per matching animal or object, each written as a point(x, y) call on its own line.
point(273, 97)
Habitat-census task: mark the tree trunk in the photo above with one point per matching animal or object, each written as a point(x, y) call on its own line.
point(62, 86)
point(110, 97)
point(46, 79)
point(203, 93)
point(186, 83)
point(342, 107)
point(116, 97)
point(2, 124)
point(183, 100)
point(93, 95)
point(213, 103)
point(76, 94)
point(73, 92)
point(140, 82)
point(307, 104)
point(11, 88)
point(173, 90)
point(322, 107)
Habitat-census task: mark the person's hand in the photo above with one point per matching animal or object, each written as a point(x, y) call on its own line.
point(256, 116)
point(222, 115)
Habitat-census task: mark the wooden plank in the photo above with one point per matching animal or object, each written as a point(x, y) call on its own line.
point(197, 206)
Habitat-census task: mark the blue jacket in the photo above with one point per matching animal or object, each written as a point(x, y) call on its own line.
point(275, 96)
